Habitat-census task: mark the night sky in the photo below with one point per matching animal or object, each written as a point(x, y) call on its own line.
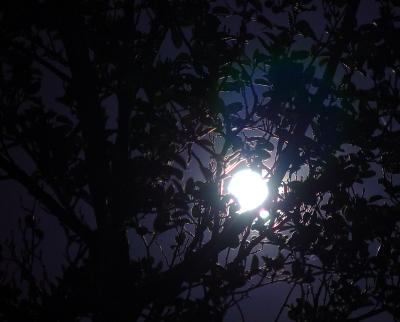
point(264, 303)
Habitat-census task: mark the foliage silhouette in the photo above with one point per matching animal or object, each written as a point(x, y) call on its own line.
point(124, 120)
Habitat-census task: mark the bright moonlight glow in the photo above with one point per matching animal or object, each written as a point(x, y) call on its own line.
point(264, 214)
point(249, 189)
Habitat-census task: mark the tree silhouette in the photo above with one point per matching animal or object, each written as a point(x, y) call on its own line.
point(124, 120)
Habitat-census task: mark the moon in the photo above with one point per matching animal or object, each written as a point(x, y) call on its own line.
point(249, 188)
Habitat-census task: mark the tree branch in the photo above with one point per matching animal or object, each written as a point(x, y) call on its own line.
point(84, 86)
point(66, 217)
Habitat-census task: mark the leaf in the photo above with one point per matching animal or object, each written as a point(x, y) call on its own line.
point(257, 4)
point(375, 198)
point(180, 238)
point(262, 19)
point(233, 242)
point(178, 185)
point(176, 38)
point(142, 230)
point(245, 76)
point(304, 28)
point(368, 174)
point(297, 269)
point(196, 211)
point(221, 11)
point(234, 108)
point(174, 171)
point(264, 43)
point(178, 214)
point(299, 54)
point(206, 173)
point(323, 61)
point(33, 88)
point(161, 222)
point(262, 82)
point(254, 267)
point(259, 57)
point(231, 86)
point(269, 146)
point(189, 187)
point(265, 155)
point(205, 142)
point(261, 143)
point(278, 262)
point(180, 160)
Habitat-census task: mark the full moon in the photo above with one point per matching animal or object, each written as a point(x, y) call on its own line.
point(249, 189)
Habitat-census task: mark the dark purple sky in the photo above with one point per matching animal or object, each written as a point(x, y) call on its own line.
point(263, 305)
